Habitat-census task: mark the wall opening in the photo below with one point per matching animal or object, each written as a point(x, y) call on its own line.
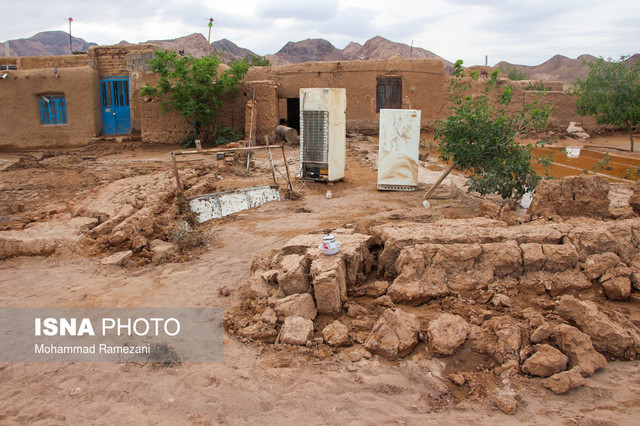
point(293, 113)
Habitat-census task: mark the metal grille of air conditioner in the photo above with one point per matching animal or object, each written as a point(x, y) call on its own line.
point(315, 136)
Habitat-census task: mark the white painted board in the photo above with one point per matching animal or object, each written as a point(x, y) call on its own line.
point(215, 206)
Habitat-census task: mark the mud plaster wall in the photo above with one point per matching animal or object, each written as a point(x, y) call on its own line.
point(171, 127)
point(20, 108)
point(158, 126)
point(564, 110)
point(423, 85)
point(266, 111)
point(60, 61)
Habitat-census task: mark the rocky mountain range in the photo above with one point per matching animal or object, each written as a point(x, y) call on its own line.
point(321, 50)
point(558, 68)
point(45, 43)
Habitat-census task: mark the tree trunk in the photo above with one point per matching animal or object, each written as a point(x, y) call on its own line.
point(439, 181)
point(631, 135)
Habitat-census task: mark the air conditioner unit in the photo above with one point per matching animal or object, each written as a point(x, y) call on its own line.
point(322, 133)
point(398, 150)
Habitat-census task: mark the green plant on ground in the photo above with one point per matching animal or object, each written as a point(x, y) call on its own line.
point(481, 136)
point(602, 164)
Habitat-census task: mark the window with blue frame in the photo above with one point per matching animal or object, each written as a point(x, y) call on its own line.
point(53, 109)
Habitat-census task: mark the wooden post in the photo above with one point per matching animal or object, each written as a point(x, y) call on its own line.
point(439, 181)
point(286, 166)
point(175, 171)
point(273, 168)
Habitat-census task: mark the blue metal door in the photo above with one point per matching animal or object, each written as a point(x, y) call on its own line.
point(116, 113)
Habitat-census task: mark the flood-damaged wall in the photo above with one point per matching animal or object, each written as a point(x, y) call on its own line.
point(20, 94)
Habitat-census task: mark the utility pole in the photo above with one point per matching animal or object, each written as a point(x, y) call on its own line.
point(209, 38)
point(486, 60)
point(411, 50)
point(70, 43)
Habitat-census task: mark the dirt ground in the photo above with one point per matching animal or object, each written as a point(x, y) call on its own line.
point(40, 192)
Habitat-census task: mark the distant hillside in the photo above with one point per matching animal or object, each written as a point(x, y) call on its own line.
point(193, 45)
point(305, 51)
point(229, 49)
point(558, 68)
point(321, 50)
point(46, 43)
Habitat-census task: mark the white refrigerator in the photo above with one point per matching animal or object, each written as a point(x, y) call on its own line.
point(398, 149)
point(323, 133)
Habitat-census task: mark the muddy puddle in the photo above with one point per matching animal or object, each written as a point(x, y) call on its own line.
point(615, 167)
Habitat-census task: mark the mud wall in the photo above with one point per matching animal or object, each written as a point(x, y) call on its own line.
point(60, 61)
point(265, 95)
point(564, 110)
point(20, 108)
point(423, 85)
point(158, 126)
point(171, 127)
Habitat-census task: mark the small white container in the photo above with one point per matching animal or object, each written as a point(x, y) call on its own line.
point(573, 151)
point(330, 251)
point(329, 245)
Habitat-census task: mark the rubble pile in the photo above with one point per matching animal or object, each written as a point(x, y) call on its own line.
point(542, 299)
point(135, 216)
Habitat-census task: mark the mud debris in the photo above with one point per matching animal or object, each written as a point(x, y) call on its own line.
point(534, 299)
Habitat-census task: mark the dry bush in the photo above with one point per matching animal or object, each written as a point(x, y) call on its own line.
point(186, 236)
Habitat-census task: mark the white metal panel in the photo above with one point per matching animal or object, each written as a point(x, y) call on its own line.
point(398, 149)
point(337, 133)
point(215, 206)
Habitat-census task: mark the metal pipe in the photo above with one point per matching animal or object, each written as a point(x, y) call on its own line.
point(288, 134)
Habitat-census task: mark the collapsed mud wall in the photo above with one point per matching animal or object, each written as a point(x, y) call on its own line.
point(542, 299)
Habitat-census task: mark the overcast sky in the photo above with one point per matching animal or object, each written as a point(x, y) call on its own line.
point(522, 32)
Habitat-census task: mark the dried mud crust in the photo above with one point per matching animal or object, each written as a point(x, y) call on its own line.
point(101, 201)
point(495, 303)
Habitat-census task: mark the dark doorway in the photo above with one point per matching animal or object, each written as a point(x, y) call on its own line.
point(293, 113)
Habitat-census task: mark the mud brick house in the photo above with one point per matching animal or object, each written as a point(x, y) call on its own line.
point(68, 100)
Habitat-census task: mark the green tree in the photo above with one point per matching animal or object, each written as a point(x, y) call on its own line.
point(480, 137)
point(611, 93)
point(194, 88)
